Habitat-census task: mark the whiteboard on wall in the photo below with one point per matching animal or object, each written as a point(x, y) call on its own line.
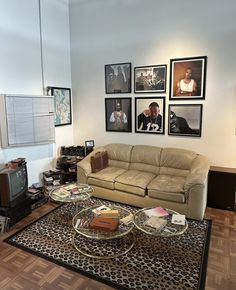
point(26, 120)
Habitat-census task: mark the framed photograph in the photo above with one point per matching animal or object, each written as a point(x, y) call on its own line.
point(150, 79)
point(187, 78)
point(89, 143)
point(118, 78)
point(118, 114)
point(150, 115)
point(185, 120)
point(62, 103)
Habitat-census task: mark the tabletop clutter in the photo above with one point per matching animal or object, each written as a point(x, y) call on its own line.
point(105, 218)
point(70, 190)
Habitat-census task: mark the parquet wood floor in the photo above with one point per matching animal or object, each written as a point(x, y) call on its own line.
point(20, 270)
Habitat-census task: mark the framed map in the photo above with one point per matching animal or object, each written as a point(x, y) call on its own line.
point(62, 102)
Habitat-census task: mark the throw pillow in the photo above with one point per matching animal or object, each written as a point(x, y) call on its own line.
point(99, 161)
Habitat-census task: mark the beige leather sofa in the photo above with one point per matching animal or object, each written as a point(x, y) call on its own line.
point(147, 176)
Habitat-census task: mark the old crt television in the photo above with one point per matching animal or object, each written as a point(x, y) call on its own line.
point(13, 185)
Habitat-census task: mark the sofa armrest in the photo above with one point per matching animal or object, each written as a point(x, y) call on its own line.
point(84, 166)
point(196, 187)
point(198, 173)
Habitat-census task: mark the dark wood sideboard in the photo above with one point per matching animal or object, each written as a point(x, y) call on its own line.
point(221, 188)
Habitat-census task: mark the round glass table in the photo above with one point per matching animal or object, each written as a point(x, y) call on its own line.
point(102, 244)
point(140, 219)
point(71, 192)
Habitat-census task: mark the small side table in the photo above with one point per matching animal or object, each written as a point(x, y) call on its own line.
point(57, 194)
point(100, 244)
point(140, 218)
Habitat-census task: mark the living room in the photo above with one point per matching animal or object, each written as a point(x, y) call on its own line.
point(67, 44)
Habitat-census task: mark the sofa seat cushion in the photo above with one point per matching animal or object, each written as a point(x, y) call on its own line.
point(134, 181)
point(167, 187)
point(106, 177)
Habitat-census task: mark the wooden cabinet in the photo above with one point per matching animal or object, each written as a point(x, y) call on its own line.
point(221, 188)
point(68, 167)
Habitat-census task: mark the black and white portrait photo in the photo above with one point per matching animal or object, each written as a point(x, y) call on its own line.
point(118, 78)
point(185, 120)
point(150, 115)
point(150, 79)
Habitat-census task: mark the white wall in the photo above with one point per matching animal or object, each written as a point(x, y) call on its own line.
point(56, 56)
point(152, 32)
point(21, 70)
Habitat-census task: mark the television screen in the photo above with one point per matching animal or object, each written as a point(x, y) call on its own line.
point(14, 184)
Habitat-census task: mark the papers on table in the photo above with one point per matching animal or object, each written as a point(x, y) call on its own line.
point(128, 219)
point(70, 190)
point(155, 222)
point(178, 219)
point(100, 208)
point(70, 187)
point(157, 211)
point(62, 193)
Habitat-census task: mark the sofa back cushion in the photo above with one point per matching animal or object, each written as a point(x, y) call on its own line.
point(176, 162)
point(119, 155)
point(145, 158)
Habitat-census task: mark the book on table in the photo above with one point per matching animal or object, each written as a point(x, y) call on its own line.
point(112, 213)
point(156, 223)
point(157, 211)
point(62, 193)
point(70, 186)
point(100, 208)
point(178, 219)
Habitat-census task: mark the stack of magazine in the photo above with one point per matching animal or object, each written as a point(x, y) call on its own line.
point(156, 218)
point(4, 224)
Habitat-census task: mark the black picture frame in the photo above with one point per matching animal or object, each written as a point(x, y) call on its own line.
point(144, 123)
point(118, 114)
point(62, 105)
point(150, 79)
point(89, 143)
point(185, 120)
point(118, 78)
point(181, 69)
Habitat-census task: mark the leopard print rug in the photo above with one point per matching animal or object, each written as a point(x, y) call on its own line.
point(173, 263)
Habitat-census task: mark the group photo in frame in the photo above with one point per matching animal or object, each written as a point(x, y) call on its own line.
point(62, 105)
point(118, 78)
point(150, 79)
point(185, 120)
point(187, 78)
point(118, 114)
point(150, 115)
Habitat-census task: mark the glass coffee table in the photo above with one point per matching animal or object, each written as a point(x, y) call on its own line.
point(66, 193)
point(169, 230)
point(102, 244)
point(71, 193)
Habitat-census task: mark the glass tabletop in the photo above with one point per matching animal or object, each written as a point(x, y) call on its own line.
point(169, 229)
point(81, 224)
point(71, 192)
